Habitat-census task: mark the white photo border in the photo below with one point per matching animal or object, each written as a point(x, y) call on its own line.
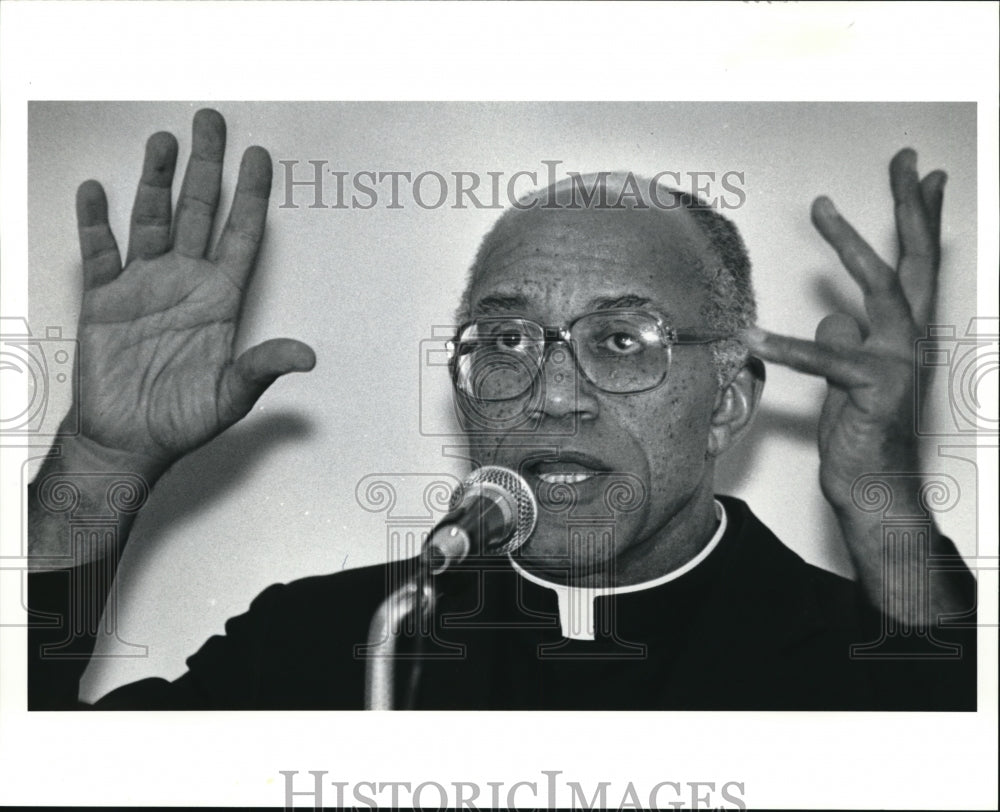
point(316, 51)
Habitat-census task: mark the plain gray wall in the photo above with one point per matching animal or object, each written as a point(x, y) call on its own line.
point(275, 498)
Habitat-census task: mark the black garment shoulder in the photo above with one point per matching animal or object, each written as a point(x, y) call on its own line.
point(769, 632)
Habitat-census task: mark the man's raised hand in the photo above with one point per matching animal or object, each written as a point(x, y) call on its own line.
point(157, 372)
point(867, 422)
point(867, 425)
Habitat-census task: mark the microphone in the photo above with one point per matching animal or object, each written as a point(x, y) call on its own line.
point(493, 512)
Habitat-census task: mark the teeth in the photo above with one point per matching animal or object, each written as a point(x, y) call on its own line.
point(564, 479)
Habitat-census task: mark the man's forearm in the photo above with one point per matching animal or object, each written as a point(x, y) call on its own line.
point(81, 507)
point(907, 568)
point(83, 502)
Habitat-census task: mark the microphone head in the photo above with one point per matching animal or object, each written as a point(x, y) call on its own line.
point(516, 494)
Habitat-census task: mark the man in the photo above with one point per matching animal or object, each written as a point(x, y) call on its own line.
point(614, 338)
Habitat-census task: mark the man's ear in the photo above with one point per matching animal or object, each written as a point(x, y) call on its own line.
point(735, 406)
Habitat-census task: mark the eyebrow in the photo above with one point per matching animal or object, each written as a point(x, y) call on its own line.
point(506, 303)
point(617, 302)
point(500, 303)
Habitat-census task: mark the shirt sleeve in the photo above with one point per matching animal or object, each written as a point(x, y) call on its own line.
point(223, 674)
point(924, 669)
point(58, 652)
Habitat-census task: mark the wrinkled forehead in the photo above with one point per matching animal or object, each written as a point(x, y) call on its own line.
point(655, 254)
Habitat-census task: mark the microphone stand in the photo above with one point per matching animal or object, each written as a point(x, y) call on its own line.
point(414, 596)
point(503, 505)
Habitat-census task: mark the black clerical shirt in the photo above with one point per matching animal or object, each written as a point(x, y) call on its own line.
point(751, 627)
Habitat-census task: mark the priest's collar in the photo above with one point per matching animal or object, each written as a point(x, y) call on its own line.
point(576, 603)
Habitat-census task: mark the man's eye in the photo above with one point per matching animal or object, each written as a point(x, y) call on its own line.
point(502, 337)
point(620, 344)
point(509, 339)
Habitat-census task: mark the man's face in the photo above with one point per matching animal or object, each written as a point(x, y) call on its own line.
point(586, 444)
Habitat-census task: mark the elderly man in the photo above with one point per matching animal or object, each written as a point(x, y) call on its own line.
point(605, 347)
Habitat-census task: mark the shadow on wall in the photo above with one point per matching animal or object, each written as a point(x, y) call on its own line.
point(204, 478)
point(736, 469)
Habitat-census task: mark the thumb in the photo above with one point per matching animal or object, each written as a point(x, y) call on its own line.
point(839, 330)
point(246, 379)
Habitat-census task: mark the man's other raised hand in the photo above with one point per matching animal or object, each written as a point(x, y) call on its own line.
point(157, 373)
point(867, 425)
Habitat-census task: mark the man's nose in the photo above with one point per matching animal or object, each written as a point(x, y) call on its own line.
point(565, 390)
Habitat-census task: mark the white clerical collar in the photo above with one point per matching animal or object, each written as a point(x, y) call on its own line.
point(577, 603)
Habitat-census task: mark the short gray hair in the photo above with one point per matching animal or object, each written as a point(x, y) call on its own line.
point(731, 305)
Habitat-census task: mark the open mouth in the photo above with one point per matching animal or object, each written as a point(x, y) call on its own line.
point(565, 479)
point(566, 468)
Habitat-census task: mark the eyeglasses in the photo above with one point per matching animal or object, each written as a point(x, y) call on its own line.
point(618, 351)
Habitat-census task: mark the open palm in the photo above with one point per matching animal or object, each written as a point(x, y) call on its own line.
point(156, 367)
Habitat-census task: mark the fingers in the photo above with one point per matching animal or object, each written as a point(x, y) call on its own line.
point(149, 235)
point(244, 230)
point(101, 260)
point(199, 197)
point(916, 237)
point(839, 330)
point(932, 192)
point(918, 230)
point(257, 368)
point(843, 365)
point(922, 296)
point(885, 303)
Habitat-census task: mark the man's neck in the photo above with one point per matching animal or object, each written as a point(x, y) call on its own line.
point(669, 548)
point(673, 546)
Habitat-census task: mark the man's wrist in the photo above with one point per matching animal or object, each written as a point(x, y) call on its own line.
point(83, 501)
point(894, 542)
point(81, 454)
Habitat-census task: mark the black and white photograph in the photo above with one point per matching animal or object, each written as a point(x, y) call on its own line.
point(626, 414)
